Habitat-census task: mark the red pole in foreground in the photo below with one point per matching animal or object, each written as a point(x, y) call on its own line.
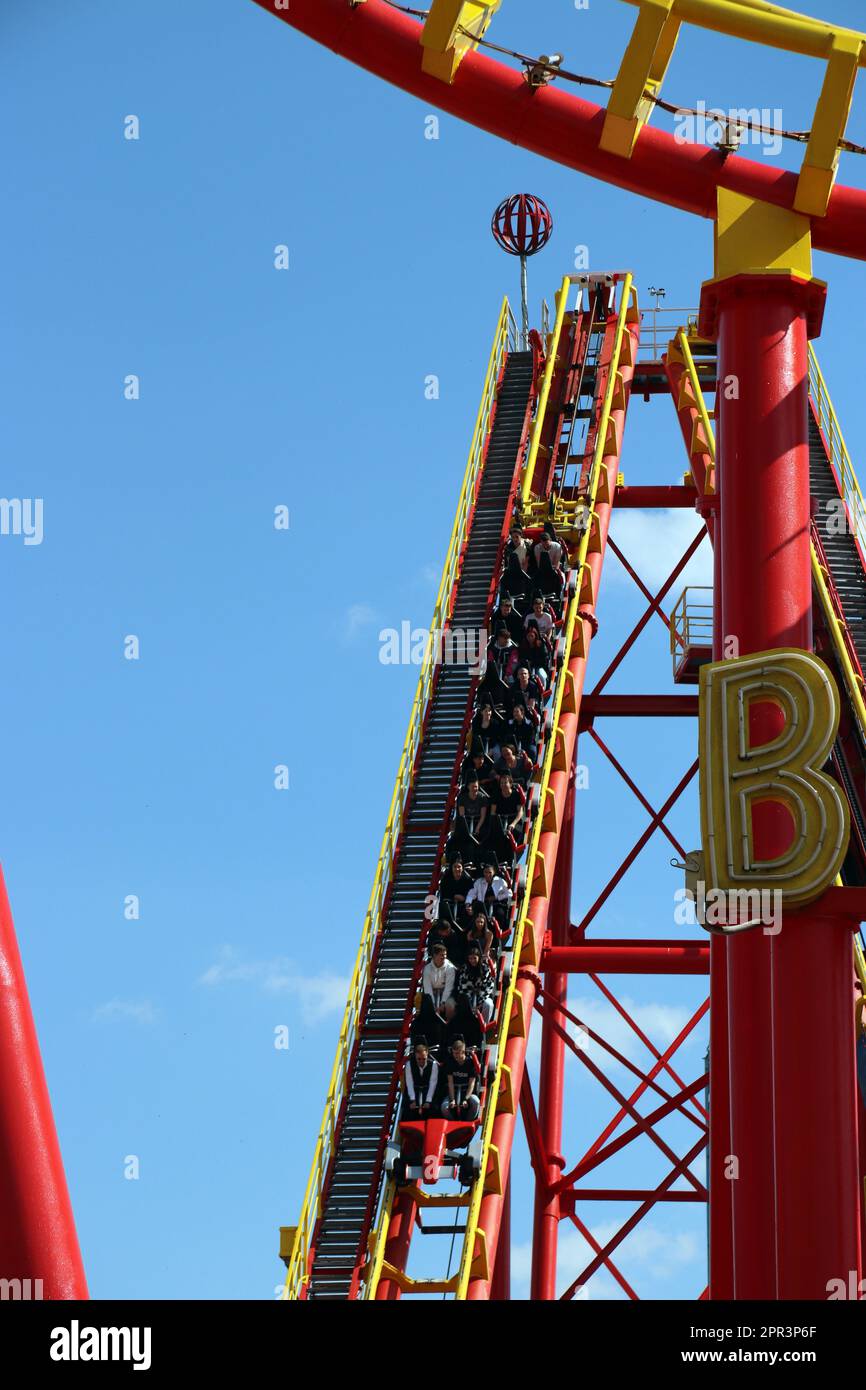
point(551, 1090)
point(37, 1228)
point(721, 1257)
point(500, 1284)
point(793, 1169)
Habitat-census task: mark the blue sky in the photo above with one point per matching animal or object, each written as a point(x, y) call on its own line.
point(261, 388)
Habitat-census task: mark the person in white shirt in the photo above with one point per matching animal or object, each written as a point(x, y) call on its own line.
point(548, 545)
point(541, 615)
point(491, 892)
point(438, 986)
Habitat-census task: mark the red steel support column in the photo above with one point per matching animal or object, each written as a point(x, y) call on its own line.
point(397, 1245)
point(552, 1080)
point(500, 1284)
point(794, 1196)
point(721, 1252)
point(37, 1229)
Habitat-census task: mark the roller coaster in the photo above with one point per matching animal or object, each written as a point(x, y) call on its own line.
point(770, 663)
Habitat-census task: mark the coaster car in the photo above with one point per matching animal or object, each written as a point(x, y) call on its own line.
point(428, 1150)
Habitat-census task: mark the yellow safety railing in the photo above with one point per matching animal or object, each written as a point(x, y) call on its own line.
point(504, 341)
point(856, 509)
point(853, 679)
point(691, 622)
point(853, 499)
point(552, 348)
point(474, 1209)
point(685, 348)
point(840, 458)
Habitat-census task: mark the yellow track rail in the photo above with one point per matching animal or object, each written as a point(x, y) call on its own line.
point(685, 349)
point(497, 1088)
point(552, 350)
point(503, 340)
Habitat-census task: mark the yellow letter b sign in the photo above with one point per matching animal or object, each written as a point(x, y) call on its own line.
point(736, 777)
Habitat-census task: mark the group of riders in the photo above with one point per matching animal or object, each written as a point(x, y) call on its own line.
point(472, 912)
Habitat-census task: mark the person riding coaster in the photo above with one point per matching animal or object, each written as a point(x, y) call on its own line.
point(440, 1118)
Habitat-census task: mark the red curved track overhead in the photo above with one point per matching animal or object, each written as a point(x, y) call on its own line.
point(562, 127)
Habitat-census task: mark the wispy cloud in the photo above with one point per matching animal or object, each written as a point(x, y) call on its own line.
point(652, 542)
point(429, 576)
point(318, 995)
point(126, 1010)
point(358, 617)
point(647, 1252)
point(657, 1021)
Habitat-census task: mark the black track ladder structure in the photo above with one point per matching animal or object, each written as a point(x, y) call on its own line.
point(843, 557)
point(849, 580)
point(353, 1183)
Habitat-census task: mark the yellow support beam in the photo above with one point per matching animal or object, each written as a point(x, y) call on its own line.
point(640, 75)
point(754, 237)
point(821, 159)
point(648, 55)
point(450, 30)
point(493, 1172)
point(288, 1236)
point(561, 302)
point(420, 1286)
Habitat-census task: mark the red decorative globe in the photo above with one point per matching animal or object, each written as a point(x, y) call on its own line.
point(522, 224)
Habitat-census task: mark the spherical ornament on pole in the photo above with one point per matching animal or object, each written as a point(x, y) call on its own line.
point(522, 225)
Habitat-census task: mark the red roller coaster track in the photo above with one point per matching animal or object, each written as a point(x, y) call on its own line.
point(560, 126)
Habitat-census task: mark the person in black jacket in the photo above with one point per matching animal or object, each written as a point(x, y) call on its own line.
point(527, 688)
point(516, 582)
point(470, 821)
point(508, 814)
point(521, 731)
point(535, 653)
point(515, 763)
point(451, 937)
point(454, 886)
point(506, 613)
point(478, 762)
point(487, 726)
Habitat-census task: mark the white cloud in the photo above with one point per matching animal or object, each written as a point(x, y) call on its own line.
point(359, 616)
point(117, 1010)
point(647, 1252)
point(429, 576)
point(318, 995)
point(653, 542)
point(661, 1253)
point(661, 1023)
